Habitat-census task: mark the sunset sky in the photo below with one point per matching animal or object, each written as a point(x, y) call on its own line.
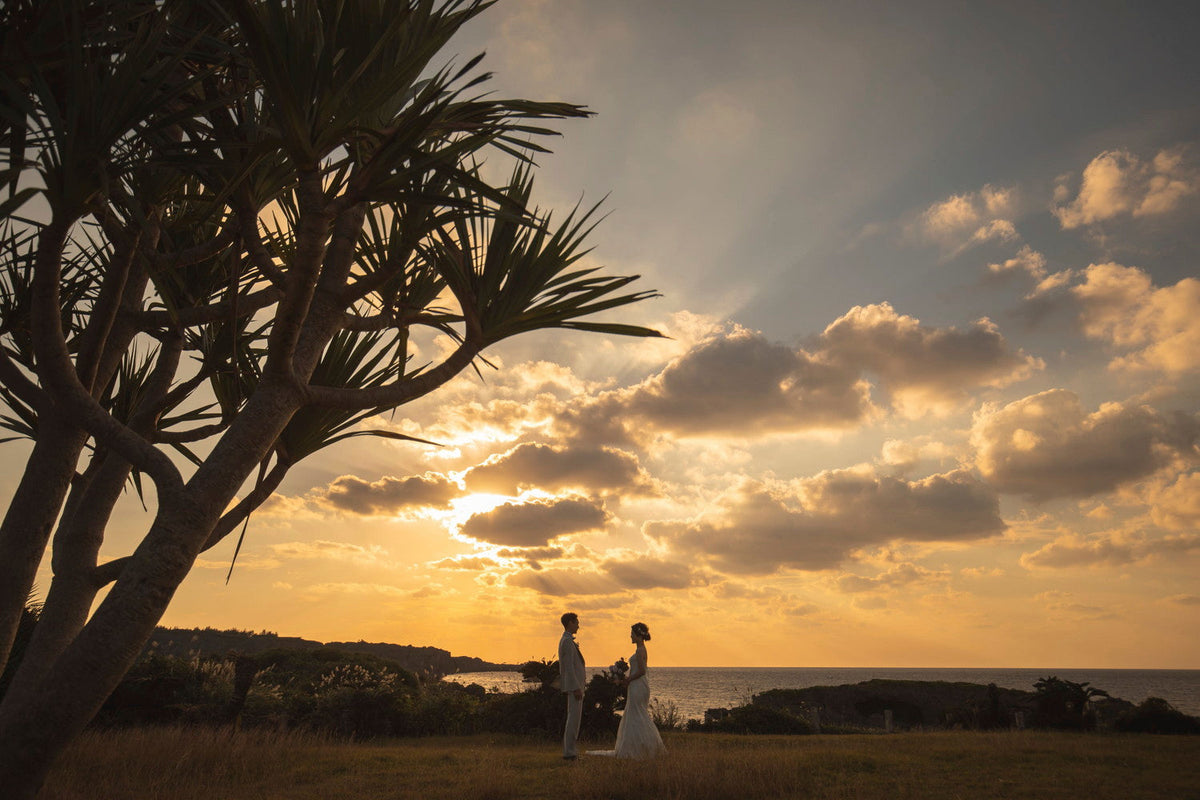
point(931, 395)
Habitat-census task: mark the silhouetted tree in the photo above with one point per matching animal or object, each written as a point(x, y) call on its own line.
point(252, 208)
point(542, 672)
point(1064, 704)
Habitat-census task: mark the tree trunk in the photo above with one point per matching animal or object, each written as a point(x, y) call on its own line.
point(81, 534)
point(39, 497)
point(37, 723)
point(40, 720)
point(74, 586)
point(35, 505)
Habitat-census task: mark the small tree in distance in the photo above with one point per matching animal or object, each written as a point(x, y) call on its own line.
point(1065, 704)
point(252, 208)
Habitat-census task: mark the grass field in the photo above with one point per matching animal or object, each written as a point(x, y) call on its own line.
point(182, 764)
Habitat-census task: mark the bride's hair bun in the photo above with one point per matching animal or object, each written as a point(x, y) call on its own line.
point(641, 630)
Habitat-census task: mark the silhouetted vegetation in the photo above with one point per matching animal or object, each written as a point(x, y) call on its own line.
point(1054, 704)
point(361, 696)
point(753, 718)
point(1065, 704)
point(1156, 715)
point(29, 618)
point(213, 642)
point(347, 695)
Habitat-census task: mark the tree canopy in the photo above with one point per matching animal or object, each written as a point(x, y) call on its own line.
point(226, 227)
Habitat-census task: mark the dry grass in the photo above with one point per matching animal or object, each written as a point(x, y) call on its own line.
point(190, 764)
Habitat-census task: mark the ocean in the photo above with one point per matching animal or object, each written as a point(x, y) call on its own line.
point(695, 689)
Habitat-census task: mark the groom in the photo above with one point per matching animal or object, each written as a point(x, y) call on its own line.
point(571, 678)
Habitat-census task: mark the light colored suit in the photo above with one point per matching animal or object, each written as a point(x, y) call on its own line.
point(572, 675)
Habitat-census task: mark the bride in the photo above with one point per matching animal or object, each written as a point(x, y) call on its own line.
point(637, 737)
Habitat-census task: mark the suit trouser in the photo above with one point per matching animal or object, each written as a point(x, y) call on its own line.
point(574, 715)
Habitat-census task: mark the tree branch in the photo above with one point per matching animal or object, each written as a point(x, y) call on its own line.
point(57, 372)
point(384, 321)
point(249, 504)
point(201, 252)
point(247, 305)
point(104, 314)
point(20, 385)
point(260, 256)
point(311, 231)
point(109, 571)
point(192, 434)
point(397, 392)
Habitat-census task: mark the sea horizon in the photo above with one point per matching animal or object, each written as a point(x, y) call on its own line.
point(693, 690)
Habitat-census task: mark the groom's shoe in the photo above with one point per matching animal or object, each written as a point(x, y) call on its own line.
point(569, 758)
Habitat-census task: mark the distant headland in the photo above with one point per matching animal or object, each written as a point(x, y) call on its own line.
point(196, 642)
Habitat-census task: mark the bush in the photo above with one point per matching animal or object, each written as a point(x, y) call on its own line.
point(537, 711)
point(666, 715)
point(603, 696)
point(164, 689)
point(357, 701)
point(446, 709)
point(753, 719)
point(1156, 715)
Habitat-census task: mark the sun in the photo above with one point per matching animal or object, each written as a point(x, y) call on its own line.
point(463, 508)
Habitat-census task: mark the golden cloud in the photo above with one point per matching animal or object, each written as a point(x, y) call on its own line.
point(818, 523)
point(1160, 326)
point(1108, 550)
point(1118, 183)
point(554, 468)
point(921, 365)
point(535, 523)
point(1047, 445)
point(895, 577)
point(335, 551)
point(389, 495)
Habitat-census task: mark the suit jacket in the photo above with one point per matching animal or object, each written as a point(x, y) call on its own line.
point(571, 670)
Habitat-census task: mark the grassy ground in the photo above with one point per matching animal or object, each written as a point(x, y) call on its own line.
point(187, 764)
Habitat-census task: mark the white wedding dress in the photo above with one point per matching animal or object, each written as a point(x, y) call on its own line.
point(637, 737)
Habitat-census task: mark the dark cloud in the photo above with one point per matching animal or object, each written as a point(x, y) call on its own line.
point(819, 523)
point(906, 355)
point(536, 523)
point(739, 384)
point(723, 384)
point(594, 469)
point(389, 495)
point(1047, 445)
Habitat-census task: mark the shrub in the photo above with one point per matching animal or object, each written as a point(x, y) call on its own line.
point(536, 711)
point(754, 719)
point(1156, 715)
point(603, 696)
point(166, 689)
point(357, 701)
point(666, 715)
point(446, 709)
